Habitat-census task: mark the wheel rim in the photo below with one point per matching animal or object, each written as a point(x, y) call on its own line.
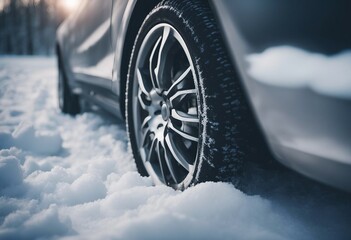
point(165, 107)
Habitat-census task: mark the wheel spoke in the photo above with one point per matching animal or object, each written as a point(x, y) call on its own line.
point(182, 94)
point(152, 148)
point(142, 101)
point(169, 164)
point(141, 82)
point(145, 122)
point(145, 136)
point(166, 43)
point(179, 80)
point(184, 117)
point(154, 79)
point(182, 134)
point(159, 146)
point(176, 154)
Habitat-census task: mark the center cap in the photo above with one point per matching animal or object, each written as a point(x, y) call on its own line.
point(165, 112)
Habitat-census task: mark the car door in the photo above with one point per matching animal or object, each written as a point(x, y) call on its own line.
point(92, 56)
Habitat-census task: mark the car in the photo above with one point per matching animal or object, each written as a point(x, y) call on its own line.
point(206, 87)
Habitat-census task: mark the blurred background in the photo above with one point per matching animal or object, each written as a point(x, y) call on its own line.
point(28, 27)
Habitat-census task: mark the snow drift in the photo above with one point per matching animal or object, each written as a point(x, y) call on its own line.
point(74, 178)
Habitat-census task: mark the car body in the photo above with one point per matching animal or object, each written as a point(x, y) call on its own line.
point(293, 59)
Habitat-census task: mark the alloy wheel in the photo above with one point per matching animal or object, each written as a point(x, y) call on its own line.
point(165, 107)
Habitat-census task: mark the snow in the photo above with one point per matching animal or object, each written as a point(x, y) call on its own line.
point(27, 138)
point(10, 172)
point(291, 67)
point(74, 178)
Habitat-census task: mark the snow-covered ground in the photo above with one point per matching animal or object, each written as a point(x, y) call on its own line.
point(74, 178)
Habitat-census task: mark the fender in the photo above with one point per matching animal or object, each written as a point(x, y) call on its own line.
point(124, 30)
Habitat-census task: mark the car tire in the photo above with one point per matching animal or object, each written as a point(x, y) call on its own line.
point(68, 101)
point(217, 143)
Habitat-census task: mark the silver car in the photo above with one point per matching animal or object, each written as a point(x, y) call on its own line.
point(208, 87)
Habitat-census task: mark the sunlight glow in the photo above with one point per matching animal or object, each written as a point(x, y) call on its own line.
point(70, 5)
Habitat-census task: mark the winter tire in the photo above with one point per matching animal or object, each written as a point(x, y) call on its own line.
point(186, 113)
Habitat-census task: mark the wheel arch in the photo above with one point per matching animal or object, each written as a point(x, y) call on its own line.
point(140, 9)
point(138, 13)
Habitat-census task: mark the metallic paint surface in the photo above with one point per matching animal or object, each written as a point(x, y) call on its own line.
point(307, 130)
point(80, 56)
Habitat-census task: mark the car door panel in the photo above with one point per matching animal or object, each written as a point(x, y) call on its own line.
point(92, 57)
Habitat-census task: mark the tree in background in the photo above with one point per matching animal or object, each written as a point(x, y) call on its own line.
point(29, 26)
